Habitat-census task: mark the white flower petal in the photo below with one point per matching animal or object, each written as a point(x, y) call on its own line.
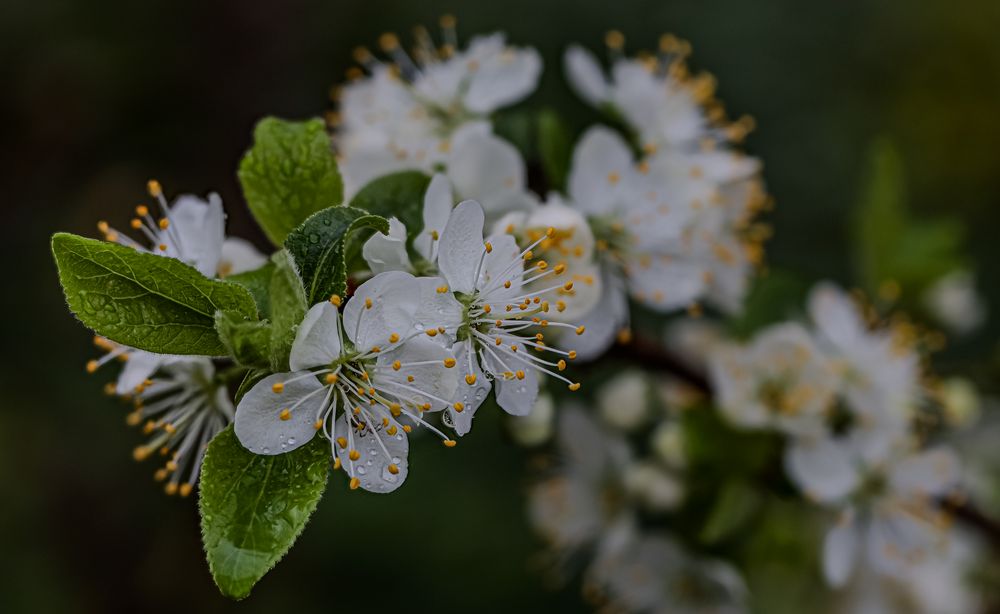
point(462, 246)
point(432, 383)
point(471, 396)
point(585, 75)
point(835, 315)
point(259, 426)
point(437, 309)
point(387, 252)
point(139, 366)
point(488, 169)
point(438, 203)
point(604, 321)
point(515, 396)
point(824, 468)
point(317, 340)
point(931, 473)
point(503, 79)
point(601, 164)
point(383, 305)
point(239, 256)
point(666, 285)
point(196, 232)
point(378, 450)
point(840, 549)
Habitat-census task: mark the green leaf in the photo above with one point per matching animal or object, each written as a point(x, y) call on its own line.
point(253, 507)
point(288, 307)
point(399, 195)
point(773, 298)
point(289, 174)
point(249, 381)
point(896, 251)
point(317, 248)
point(735, 505)
point(258, 282)
point(554, 148)
point(249, 343)
point(145, 301)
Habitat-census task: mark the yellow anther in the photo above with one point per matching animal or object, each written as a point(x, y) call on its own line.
point(539, 336)
point(519, 374)
point(449, 443)
point(407, 428)
point(336, 463)
point(163, 247)
point(396, 365)
point(285, 414)
point(154, 188)
point(470, 379)
point(318, 425)
point(550, 232)
point(368, 302)
point(371, 392)
point(355, 482)
point(431, 332)
point(614, 178)
point(354, 455)
point(580, 329)
point(393, 338)
point(277, 388)
point(499, 341)
point(409, 378)
point(375, 350)
point(447, 21)
point(528, 255)
point(442, 289)
point(489, 247)
point(185, 489)
point(169, 428)
point(331, 378)
point(560, 306)
point(391, 430)
point(393, 469)
point(171, 465)
point(136, 223)
point(459, 406)
point(541, 265)
point(449, 362)
point(170, 488)
point(487, 308)
point(142, 210)
point(385, 422)
point(506, 284)
point(614, 39)
point(342, 442)
point(164, 223)
point(574, 387)
point(92, 366)
point(103, 227)
point(335, 300)
point(434, 235)
point(624, 335)
point(388, 41)
point(394, 409)
point(561, 365)
point(140, 453)
point(568, 286)
point(160, 474)
point(571, 354)
point(509, 229)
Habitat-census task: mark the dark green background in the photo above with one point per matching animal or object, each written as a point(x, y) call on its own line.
point(99, 96)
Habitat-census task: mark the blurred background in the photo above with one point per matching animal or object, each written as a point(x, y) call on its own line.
point(100, 96)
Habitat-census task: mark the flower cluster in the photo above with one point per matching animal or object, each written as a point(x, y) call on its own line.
point(417, 277)
point(849, 398)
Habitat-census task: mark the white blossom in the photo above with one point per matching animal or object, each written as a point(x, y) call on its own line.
point(956, 304)
point(363, 379)
point(182, 409)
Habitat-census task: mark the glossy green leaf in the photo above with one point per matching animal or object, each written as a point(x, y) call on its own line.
point(289, 174)
point(253, 507)
point(317, 248)
point(143, 300)
point(249, 343)
point(399, 195)
point(258, 282)
point(288, 307)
